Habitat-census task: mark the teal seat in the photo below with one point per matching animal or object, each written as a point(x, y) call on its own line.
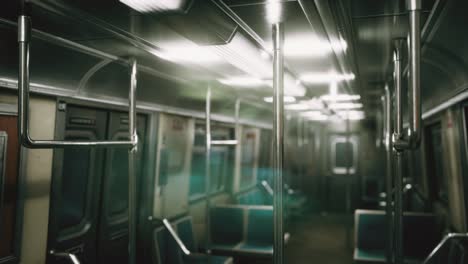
point(420, 235)
point(168, 251)
point(227, 227)
point(242, 230)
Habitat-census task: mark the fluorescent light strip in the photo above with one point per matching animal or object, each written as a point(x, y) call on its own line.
point(302, 46)
point(324, 78)
point(245, 81)
point(148, 6)
point(273, 11)
point(340, 97)
point(345, 106)
point(287, 99)
point(314, 116)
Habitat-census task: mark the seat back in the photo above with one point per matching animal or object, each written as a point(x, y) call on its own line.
point(370, 229)
point(420, 232)
point(184, 229)
point(227, 224)
point(260, 225)
point(166, 247)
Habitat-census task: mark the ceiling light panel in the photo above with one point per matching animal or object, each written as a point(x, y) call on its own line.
point(155, 6)
point(326, 77)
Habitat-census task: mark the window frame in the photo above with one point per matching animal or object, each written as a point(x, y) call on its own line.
point(222, 184)
point(340, 138)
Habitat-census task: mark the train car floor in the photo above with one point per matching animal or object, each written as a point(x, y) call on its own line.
point(319, 238)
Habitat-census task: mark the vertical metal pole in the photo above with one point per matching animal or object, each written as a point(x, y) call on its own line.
point(132, 175)
point(398, 137)
point(24, 36)
point(278, 139)
point(414, 73)
point(388, 172)
point(348, 182)
point(208, 165)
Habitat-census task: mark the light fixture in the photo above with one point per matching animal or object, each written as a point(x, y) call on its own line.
point(307, 45)
point(351, 115)
point(292, 87)
point(188, 54)
point(314, 116)
point(273, 11)
point(313, 104)
point(150, 6)
point(340, 97)
point(239, 52)
point(244, 81)
point(323, 78)
point(344, 106)
point(287, 99)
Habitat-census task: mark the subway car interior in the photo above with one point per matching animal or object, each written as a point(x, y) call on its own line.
point(233, 131)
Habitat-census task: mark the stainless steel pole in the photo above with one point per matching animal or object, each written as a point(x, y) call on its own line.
point(207, 165)
point(399, 145)
point(388, 171)
point(132, 176)
point(414, 73)
point(278, 139)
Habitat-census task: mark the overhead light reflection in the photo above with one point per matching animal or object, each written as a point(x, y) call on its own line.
point(245, 81)
point(314, 116)
point(287, 99)
point(338, 106)
point(328, 77)
point(351, 115)
point(273, 11)
point(148, 6)
point(340, 97)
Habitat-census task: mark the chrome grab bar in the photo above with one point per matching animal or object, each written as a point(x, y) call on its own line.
point(267, 187)
point(413, 136)
point(447, 238)
point(72, 257)
point(24, 36)
point(179, 241)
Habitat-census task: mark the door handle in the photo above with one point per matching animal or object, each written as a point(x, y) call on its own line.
point(72, 257)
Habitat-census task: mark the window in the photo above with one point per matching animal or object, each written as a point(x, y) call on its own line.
point(435, 160)
point(220, 161)
point(248, 158)
point(343, 154)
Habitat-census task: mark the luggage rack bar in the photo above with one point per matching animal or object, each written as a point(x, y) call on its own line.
point(24, 36)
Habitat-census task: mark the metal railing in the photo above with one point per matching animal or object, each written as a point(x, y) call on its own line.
point(180, 243)
point(402, 142)
point(445, 240)
point(24, 39)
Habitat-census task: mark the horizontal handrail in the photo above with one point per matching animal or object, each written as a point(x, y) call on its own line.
point(24, 36)
point(447, 238)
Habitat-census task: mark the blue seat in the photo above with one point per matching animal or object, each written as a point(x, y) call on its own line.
point(242, 230)
point(371, 235)
point(168, 251)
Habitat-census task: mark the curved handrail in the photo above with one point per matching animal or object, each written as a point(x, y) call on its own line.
point(447, 238)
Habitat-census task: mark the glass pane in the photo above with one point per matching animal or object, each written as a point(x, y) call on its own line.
point(76, 169)
point(247, 159)
point(197, 177)
point(344, 154)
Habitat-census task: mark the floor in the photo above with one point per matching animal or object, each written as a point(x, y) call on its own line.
point(321, 239)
